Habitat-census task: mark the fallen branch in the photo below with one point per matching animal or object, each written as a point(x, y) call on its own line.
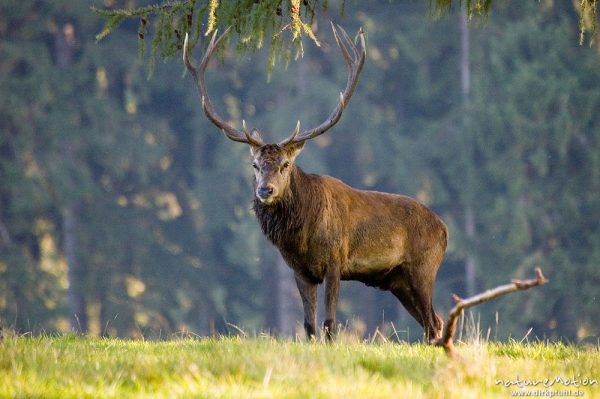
point(446, 340)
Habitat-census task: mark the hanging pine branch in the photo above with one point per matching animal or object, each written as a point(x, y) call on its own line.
point(254, 22)
point(587, 19)
point(257, 21)
point(587, 10)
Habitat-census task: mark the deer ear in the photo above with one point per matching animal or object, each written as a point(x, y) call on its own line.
point(293, 149)
point(255, 134)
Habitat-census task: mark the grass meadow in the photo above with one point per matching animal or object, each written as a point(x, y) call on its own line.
point(266, 367)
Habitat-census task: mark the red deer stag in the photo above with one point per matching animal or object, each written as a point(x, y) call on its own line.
point(328, 231)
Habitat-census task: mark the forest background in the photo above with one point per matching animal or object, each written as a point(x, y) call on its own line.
point(124, 212)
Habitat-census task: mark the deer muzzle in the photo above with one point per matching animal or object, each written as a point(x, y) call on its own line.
point(266, 193)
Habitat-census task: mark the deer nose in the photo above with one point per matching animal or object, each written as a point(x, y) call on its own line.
point(265, 191)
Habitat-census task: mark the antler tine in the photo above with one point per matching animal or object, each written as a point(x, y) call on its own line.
point(249, 137)
point(198, 75)
point(355, 63)
point(292, 137)
point(351, 42)
point(357, 55)
point(341, 45)
point(186, 57)
point(212, 45)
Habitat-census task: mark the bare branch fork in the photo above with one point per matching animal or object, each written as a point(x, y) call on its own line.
point(446, 340)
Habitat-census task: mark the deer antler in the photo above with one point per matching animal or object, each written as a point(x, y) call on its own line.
point(198, 75)
point(355, 59)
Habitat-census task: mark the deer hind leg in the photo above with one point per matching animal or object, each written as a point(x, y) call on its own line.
point(414, 288)
point(308, 293)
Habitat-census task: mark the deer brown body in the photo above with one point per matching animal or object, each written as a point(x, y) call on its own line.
point(327, 231)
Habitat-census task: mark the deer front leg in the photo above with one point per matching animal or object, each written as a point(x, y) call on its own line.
point(308, 293)
point(332, 289)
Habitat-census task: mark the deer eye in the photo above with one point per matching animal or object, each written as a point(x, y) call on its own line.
point(284, 166)
point(255, 165)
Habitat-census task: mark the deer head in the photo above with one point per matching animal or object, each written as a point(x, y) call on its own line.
point(273, 163)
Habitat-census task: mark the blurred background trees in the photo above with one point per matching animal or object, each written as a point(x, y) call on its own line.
point(123, 211)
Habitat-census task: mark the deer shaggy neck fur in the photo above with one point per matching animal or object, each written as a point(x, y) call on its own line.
point(288, 222)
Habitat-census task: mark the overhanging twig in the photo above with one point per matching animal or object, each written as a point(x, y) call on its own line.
point(446, 340)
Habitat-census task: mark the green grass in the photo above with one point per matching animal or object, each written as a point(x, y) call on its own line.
point(63, 367)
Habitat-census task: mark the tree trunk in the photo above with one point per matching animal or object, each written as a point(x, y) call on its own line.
point(271, 291)
point(5, 240)
point(282, 300)
point(465, 70)
point(287, 300)
point(64, 54)
point(469, 213)
point(373, 310)
point(470, 262)
point(79, 321)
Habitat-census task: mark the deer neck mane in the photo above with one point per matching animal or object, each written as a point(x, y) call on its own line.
point(288, 222)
